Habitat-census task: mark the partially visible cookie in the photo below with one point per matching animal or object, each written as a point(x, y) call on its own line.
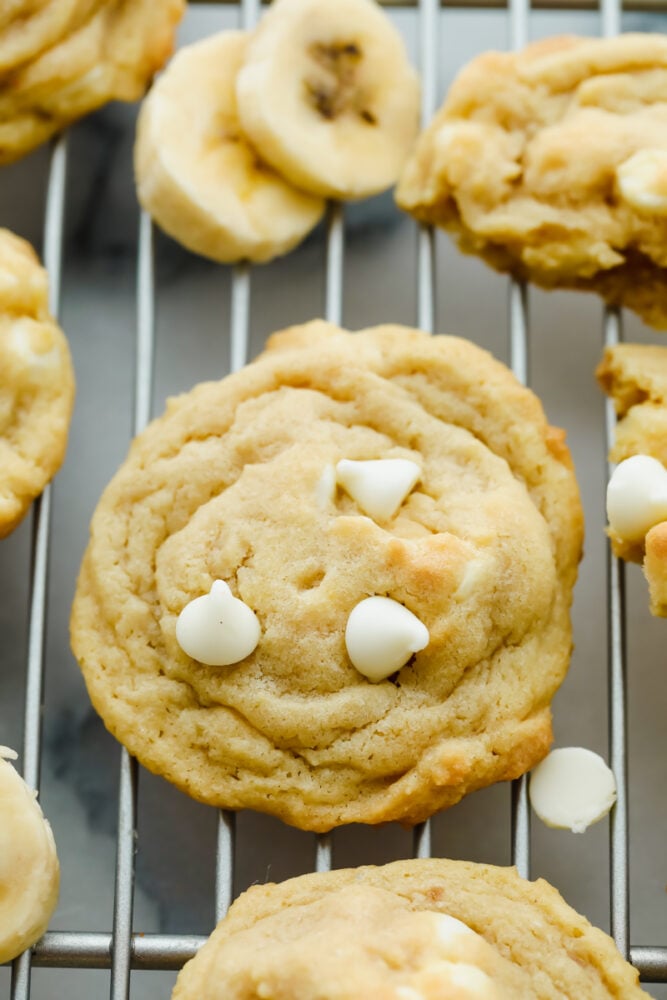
point(411, 930)
point(59, 60)
point(36, 382)
point(551, 164)
point(335, 586)
point(29, 870)
point(635, 377)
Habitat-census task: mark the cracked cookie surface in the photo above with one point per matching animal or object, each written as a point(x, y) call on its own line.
point(61, 60)
point(635, 377)
point(551, 163)
point(388, 933)
point(227, 485)
point(36, 382)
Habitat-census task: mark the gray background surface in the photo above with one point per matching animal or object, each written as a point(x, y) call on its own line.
point(175, 865)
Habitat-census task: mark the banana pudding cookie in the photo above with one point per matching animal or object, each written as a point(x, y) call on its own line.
point(635, 377)
point(335, 586)
point(411, 930)
point(29, 870)
point(36, 382)
point(61, 59)
point(551, 164)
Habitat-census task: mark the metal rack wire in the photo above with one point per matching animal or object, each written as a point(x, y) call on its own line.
point(121, 950)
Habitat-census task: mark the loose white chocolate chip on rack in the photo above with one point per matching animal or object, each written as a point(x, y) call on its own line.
point(381, 636)
point(379, 486)
point(29, 872)
point(572, 788)
point(217, 629)
point(637, 497)
point(642, 181)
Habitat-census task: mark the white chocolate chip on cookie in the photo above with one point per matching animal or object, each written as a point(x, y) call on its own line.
point(381, 636)
point(325, 488)
point(572, 789)
point(642, 181)
point(379, 486)
point(217, 629)
point(637, 497)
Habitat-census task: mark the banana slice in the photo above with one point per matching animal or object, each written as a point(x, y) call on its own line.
point(198, 176)
point(328, 97)
point(29, 871)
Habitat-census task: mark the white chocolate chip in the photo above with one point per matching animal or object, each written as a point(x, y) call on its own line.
point(26, 342)
point(472, 576)
point(642, 181)
point(449, 930)
point(325, 488)
point(637, 497)
point(572, 788)
point(6, 753)
point(381, 636)
point(472, 983)
point(217, 629)
point(379, 486)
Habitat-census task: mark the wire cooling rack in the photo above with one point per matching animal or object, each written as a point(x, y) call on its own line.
point(121, 950)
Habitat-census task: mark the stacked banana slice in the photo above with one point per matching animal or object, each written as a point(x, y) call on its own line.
point(29, 871)
point(244, 135)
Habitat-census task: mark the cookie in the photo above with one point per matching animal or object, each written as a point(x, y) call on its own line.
point(550, 164)
point(635, 377)
point(29, 870)
point(36, 382)
point(411, 930)
point(58, 61)
point(239, 505)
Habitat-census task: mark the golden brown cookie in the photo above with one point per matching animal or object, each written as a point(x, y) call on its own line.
point(60, 60)
point(411, 930)
point(233, 484)
point(36, 382)
point(551, 163)
point(29, 869)
point(635, 377)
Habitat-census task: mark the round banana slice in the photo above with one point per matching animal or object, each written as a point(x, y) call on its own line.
point(328, 97)
point(198, 176)
point(29, 871)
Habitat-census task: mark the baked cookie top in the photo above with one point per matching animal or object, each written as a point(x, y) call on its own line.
point(635, 377)
point(58, 61)
point(549, 162)
point(234, 484)
point(36, 382)
point(411, 930)
point(29, 869)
